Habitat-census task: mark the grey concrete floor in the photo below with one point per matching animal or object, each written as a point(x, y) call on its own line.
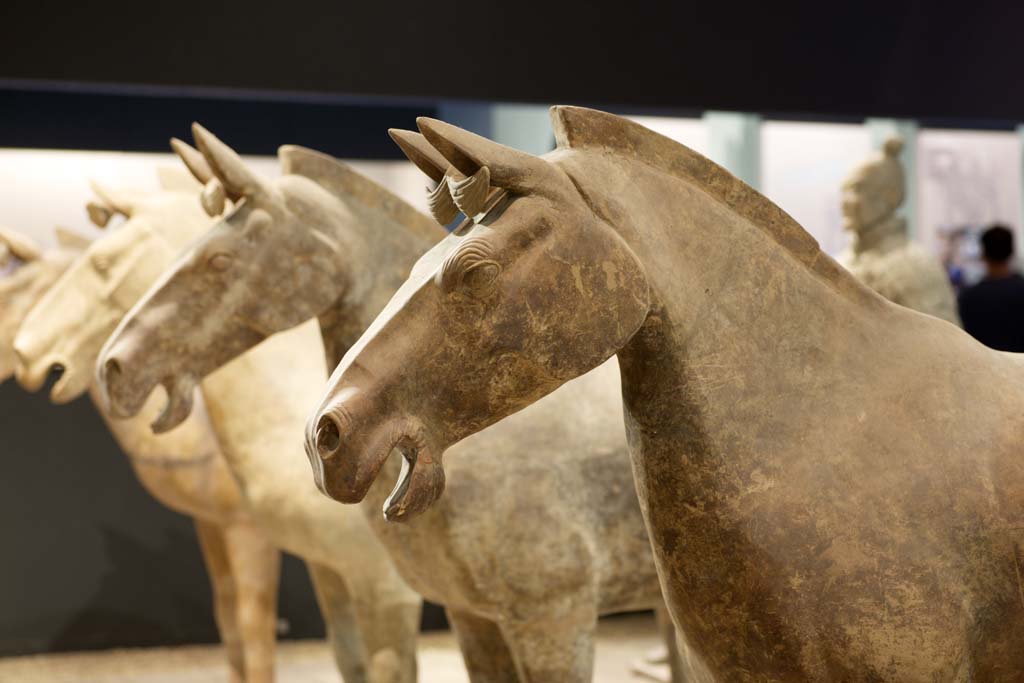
point(621, 642)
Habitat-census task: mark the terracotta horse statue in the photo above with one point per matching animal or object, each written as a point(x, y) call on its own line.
point(26, 272)
point(182, 469)
point(833, 484)
point(370, 612)
point(540, 531)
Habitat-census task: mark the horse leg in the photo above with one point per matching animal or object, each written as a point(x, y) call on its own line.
point(343, 635)
point(684, 664)
point(560, 649)
point(214, 549)
point(256, 567)
point(388, 613)
point(484, 651)
point(668, 635)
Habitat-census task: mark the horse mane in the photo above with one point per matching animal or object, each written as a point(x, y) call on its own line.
point(344, 182)
point(581, 128)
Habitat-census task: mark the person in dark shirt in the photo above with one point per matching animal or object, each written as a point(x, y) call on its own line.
point(992, 311)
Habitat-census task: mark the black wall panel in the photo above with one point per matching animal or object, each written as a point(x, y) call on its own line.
point(916, 58)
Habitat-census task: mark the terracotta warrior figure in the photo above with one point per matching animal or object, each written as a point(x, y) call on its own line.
point(881, 254)
point(182, 469)
point(372, 616)
point(540, 530)
point(833, 484)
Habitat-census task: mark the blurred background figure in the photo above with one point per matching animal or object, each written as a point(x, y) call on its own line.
point(881, 254)
point(993, 310)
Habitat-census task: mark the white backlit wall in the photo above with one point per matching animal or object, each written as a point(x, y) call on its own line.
point(967, 179)
point(48, 188)
point(803, 166)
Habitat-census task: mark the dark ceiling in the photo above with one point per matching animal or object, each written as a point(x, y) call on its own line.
point(914, 59)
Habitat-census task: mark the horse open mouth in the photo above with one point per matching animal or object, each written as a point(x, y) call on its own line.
point(420, 483)
point(180, 391)
point(348, 444)
point(69, 386)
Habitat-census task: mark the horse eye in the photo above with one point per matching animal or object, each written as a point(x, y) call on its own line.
point(258, 220)
point(479, 279)
point(220, 261)
point(101, 263)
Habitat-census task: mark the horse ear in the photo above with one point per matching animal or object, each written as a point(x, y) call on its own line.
point(114, 201)
point(21, 246)
point(193, 159)
point(72, 240)
point(420, 152)
point(99, 214)
point(238, 180)
point(176, 179)
point(509, 168)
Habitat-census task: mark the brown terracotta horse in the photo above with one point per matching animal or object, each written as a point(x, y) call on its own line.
point(523, 579)
point(183, 469)
point(833, 484)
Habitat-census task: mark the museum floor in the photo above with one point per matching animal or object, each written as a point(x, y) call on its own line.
point(621, 642)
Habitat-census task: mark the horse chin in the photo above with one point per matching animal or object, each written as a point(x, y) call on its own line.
point(419, 484)
point(180, 392)
point(6, 371)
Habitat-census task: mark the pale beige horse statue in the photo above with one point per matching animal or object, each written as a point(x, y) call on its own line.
point(26, 272)
point(182, 469)
point(540, 531)
point(370, 613)
point(833, 484)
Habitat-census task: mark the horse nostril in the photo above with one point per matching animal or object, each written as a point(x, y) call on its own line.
point(111, 370)
point(328, 438)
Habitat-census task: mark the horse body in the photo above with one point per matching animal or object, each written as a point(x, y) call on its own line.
point(503, 557)
point(184, 468)
point(833, 484)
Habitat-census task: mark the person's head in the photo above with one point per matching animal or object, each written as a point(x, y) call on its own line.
point(997, 245)
point(874, 190)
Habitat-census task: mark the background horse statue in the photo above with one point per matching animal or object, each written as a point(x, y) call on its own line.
point(68, 328)
point(532, 542)
point(26, 272)
point(833, 484)
point(183, 469)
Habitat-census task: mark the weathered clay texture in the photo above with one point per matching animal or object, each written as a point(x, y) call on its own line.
point(183, 469)
point(833, 484)
point(540, 530)
point(69, 327)
point(881, 254)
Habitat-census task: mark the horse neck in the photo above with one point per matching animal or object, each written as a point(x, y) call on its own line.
point(258, 404)
point(736, 314)
point(192, 441)
point(381, 249)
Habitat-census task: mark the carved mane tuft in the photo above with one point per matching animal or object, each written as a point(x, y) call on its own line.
point(580, 128)
point(342, 181)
